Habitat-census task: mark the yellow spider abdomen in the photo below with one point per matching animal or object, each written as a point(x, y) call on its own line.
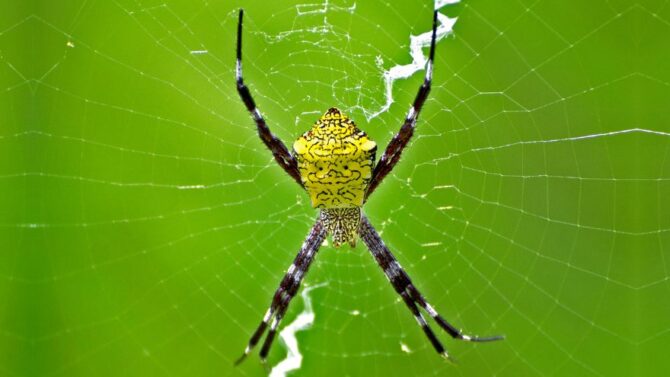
point(335, 160)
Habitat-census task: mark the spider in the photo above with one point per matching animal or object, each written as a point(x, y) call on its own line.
point(335, 163)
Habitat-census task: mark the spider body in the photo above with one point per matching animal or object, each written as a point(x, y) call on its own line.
point(335, 160)
point(342, 224)
point(335, 163)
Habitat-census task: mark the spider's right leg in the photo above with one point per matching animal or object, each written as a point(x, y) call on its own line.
point(276, 146)
point(286, 291)
point(410, 294)
point(396, 146)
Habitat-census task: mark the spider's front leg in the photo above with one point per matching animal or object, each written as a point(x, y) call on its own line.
point(409, 293)
point(287, 290)
point(399, 142)
point(274, 144)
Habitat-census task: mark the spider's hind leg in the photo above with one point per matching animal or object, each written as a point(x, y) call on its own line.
point(446, 326)
point(409, 293)
point(287, 290)
point(256, 336)
point(424, 325)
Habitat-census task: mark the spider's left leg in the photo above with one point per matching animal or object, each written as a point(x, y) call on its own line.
point(410, 294)
point(276, 146)
point(399, 142)
point(287, 290)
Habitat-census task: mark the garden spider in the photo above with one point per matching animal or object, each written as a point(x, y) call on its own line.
point(335, 163)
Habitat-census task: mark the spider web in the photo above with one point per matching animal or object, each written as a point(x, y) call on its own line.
point(145, 227)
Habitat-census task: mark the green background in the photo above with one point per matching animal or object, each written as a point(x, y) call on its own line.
point(144, 227)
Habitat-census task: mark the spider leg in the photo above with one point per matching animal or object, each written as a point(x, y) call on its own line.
point(399, 142)
point(274, 144)
point(265, 349)
point(446, 326)
point(287, 290)
point(424, 325)
point(410, 294)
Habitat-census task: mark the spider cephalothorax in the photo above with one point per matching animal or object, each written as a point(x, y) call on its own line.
point(335, 163)
point(342, 224)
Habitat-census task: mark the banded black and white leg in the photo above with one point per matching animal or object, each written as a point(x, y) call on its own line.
point(398, 143)
point(281, 154)
point(287, 290)
point(410, 294)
